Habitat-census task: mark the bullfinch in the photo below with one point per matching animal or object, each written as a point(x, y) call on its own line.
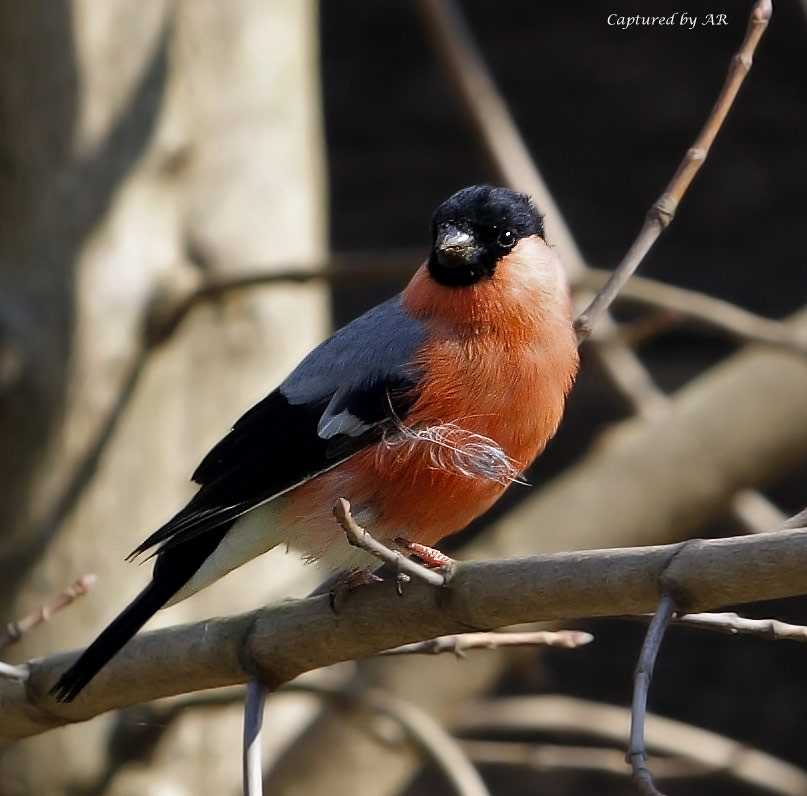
point(420, 412)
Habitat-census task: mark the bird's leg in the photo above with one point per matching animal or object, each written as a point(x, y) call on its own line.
point(349, 581)
point(431, 558)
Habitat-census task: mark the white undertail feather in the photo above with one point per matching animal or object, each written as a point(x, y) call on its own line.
point(252, 534)
point(264, 528)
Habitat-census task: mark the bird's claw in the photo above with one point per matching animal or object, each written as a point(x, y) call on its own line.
point(428, 556)
point(348, 582)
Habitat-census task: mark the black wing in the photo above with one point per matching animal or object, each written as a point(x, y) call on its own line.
point(341, 398)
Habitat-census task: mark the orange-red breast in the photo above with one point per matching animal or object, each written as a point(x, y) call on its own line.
point(421, 412)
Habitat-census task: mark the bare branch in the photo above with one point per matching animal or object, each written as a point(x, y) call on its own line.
point(553, 757)
point(637, 754)
point(441, 748)
point(734, 624)
point(711, 313)
point(639, 331)
point(279, 642)
point(358, 537)
point(739, 68)
point(665, 207)
point(461, 643)
point(14, 631)
point(170, 306)
point(383, 267)
point(610, 723)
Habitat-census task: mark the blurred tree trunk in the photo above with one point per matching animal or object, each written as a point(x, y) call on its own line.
point(138, 143)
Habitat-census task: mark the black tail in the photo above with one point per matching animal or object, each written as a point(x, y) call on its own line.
point(172, 570)
point(121, 629)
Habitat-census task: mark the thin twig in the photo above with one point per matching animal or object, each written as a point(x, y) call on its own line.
point(363, 268)
point(665, 207)
point(443, 750)
point(637, 754)
point(703, 310)
point(461, 642)
point(638, 332)
point(733, 624)
point(14, 631)
point(171, 305)
point(253, 722)
point(11, 672)
point(501, 141)
point(358, 537)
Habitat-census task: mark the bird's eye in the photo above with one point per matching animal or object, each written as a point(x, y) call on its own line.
point(507, 239)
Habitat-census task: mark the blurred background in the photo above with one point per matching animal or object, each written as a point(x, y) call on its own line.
point(149, 149)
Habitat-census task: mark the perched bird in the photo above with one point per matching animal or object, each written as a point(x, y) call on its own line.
point(420, 412)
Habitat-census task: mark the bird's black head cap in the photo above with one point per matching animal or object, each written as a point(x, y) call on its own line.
point(475, 228)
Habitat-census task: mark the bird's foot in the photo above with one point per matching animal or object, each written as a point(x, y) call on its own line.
point(428, 556)
point(349, 581)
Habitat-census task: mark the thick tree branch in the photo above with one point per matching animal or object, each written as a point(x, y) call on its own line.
point(282, 641)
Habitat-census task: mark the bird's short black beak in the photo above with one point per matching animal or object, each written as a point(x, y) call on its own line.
point(453, 246)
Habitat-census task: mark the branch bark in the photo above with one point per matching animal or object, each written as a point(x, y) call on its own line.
point(284, 640)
